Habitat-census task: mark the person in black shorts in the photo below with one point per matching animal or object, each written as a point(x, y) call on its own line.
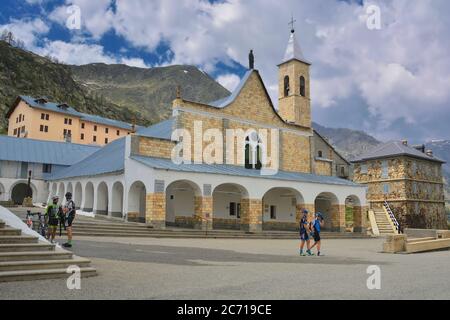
point(316, 227)
point(69, 211)
point(304, 234)
point(52, 215)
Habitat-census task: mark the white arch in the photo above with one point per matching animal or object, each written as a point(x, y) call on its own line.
point(227, 198)
point(88, 204)
point(137, 202)
point(180, 202)
point(24, 182)
point(2, 193)
point(280, 208)
point(326, 203)
point(102, 199)
point(116, 200)
point(78, 194)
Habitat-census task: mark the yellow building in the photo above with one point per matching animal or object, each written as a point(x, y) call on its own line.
point(37, 118)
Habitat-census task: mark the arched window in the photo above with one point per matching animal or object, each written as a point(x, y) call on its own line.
point(253, 152)
point(302, 86)
point(286, 86)
point(320, 154)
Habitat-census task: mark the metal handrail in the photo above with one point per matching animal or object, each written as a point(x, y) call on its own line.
point(392, 216)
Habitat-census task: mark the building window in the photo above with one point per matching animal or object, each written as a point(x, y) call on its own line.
point(253, 152)
point(95, 138)
point(41, 128)
point(47, 117)
point(273, 212)
point(286, 86)
point(106, 140)
point(64, 132)
point(23, 118)
point(69, 132)
point(45, 128)
point(15, 131)
point(320, 154)
point(82, 136)
point(42, 116)
point(385, 188)
point(232, 209)
point(302, 86)
point(17, 120)
point(106, 130)
point(342, 171)
point(118, 132)
point(364, 168)
point(47, 168)
point(82, 125)
point(22, 130)
point(384, 170)
point(66, 120)
point(20, 118)
point(95, 128)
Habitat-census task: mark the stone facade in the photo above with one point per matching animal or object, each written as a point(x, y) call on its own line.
point(412, 187)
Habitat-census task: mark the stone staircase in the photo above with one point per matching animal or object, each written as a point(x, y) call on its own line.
point(23, 257)
point(383, 223)
point(84, 226)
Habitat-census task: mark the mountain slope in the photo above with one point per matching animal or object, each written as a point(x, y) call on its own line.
point(350, 143)
point(22, 72)
point(148, 91)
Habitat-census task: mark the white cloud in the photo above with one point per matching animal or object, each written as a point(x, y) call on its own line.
point(401, 73)
point(26, 30)
point(229, 81)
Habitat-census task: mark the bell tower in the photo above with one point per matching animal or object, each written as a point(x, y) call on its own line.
point(294, 104)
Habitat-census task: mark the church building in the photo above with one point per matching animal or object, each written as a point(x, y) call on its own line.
point(176, 173)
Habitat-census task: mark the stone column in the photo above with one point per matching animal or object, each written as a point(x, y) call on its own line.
point(203, 213)
point(155, 212)
point(359, 219)
point(251, 215)
point(338, 217)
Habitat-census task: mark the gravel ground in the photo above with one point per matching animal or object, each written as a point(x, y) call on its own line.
point(136, 268)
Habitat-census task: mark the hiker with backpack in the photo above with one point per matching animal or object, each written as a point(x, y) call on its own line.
point(52, 217)
point(304, 234)
point(316, 226)
point(69, 215)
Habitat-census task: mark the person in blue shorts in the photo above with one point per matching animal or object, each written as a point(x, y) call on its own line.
point(304, 234)
point(316, 227)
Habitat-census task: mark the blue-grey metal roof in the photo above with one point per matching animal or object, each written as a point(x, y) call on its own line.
point(222, 103)
point(108, 159)
point(394, 149)
point(39, 151)
point(167, 164)
point(161, 130)
point(55, 107)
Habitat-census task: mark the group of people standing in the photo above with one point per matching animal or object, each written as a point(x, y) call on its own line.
point(310, 229)
point(60, 215)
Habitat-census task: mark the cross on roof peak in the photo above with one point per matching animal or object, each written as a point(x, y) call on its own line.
point(291, 23)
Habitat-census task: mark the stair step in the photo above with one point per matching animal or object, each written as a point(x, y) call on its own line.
point(23, 275)
point(43, 264)
point(18, 239)
point(2, 224)
point(35, 255)
point(7, 231)
point(20, 247)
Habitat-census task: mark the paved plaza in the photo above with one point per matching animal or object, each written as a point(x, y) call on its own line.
point(149, 268)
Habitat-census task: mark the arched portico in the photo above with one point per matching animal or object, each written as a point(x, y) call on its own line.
point(117, 200)
point(88, 197)
point(137, 202)
point(78, 195)
point(328, 205)
point(102, 199)
point(282, 209)
point(61, 192)
point(354, 214)
point(2, 193)
point(183, 198)
point(227, 205)
point(20, 190)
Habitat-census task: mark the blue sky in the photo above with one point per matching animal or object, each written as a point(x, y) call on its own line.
point(393, 82)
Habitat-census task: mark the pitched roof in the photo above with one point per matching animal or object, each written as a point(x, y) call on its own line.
point(167, 164)
point(108, 159)
point(39, 151)
point(222, 103)
point(293, 51)
point(66, 109)
point(393, 149)
point(161, 130)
